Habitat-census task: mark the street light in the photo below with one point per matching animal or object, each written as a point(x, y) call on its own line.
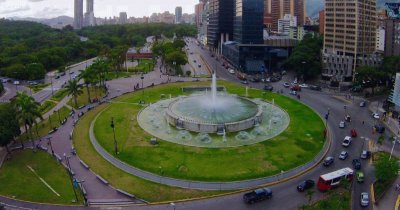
point(70, 174)
point(142, 78)
point(394, 144)
point(51, 146)
point(115, 140)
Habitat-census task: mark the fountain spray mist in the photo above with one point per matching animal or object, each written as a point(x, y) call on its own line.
point(214, 89)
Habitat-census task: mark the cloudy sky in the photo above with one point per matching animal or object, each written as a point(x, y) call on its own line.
point(102, 8)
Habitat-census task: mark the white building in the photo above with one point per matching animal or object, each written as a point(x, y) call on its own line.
point(395, 98)
point(285, 24)
point(380, 39)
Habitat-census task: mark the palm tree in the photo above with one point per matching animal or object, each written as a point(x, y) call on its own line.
point(88, 76)
point(27, 112)
point(74, 89)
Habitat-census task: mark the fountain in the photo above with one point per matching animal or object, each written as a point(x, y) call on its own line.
point(214, 113)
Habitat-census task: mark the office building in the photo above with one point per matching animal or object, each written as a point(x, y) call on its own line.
point(285, 24)
point(267, 15)
point(220, 25)
point(380, 39)
point(395, 97)
point(178, 15)
point(89, 14)
point(349, 41)
point(248, 21)
point(322, 22)
point(279, 8)
point(392, 37)
point(78, 14)
point(123, 18)
point(198, 12)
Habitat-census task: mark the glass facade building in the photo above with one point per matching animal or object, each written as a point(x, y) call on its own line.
point(248, 21)
point(220, 19)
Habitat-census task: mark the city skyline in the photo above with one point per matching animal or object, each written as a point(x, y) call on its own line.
point(102, 8)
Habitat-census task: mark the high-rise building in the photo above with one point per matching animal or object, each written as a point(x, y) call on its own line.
point(89, 15)
point(220, 25)
point(349, 41)
point(198, 12)
point(267, 14)
point(322, 22)
point(78, 14)
point(392, 37)
point(123, 18)
point(178, 15)
point(285, 24)
point(248, 21)
point(279, 8)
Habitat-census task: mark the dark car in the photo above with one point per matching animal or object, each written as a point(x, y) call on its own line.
point(328, 161)
point(62, 74)
point(268, 88)
point(379, 128)
point(357, 164)
point(304, 185)
point(257, 195)
point(315, 87)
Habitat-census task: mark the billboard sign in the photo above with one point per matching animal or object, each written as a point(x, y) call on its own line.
point(393, 10)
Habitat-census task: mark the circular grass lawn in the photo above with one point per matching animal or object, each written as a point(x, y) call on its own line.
point(297, 145)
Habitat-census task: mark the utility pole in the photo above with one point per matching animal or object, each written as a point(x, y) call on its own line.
point(115, 140)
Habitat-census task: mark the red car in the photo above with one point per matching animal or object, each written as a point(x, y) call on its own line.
point(353, 133)
point(295, 88)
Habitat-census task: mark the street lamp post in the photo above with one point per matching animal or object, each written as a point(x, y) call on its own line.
point(70, 175)
point(51, 146)
point(142, 78)
point(115, 140)
point(394, 144)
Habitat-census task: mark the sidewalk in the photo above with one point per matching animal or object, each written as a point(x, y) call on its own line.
point(389, 200)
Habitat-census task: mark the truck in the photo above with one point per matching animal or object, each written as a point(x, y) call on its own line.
point(257, 195)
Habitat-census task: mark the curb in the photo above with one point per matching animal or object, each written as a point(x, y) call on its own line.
point(397, 205)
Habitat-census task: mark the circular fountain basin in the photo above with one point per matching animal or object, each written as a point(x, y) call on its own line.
point(199, 113)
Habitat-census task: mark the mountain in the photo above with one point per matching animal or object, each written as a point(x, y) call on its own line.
point(57, 22)
point(314, 6)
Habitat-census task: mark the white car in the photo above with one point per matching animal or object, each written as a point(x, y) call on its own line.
point(375, 116)
point(346, 141)
point(293, 92)
point(343, 155)
point(16, 82)
point(364, 200)
point(231, 71)
point(286, 84)
point(342, 124)
point(304, 85)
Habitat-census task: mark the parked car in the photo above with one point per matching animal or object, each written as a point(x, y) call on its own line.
point(304, 85)
point(304, 185)
point(315, 87)
point(16, 82)
point(346, 141)
point(379, 128)
point(363, 103)
point(364, 201)
point(268, 88)
point(375, 116)
point(360, 176)
point(257, 195)
point(286, 84)
point(231, 71)
point(296, 88)
point(343, 155)
point(328, 161)
point(357, 164)
point(365, 154)
point(33, 83)
point(342, 124)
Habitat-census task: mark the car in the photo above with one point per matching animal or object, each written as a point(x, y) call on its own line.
point(304, 85)
point(194, 61)
point(257, 195)
point(62, 74)
point(365, 154)
point(295, 88)
point(360, 176)
point(363, 103)
point(244, 82)
point(304, 185)
point(33, 83)
point(199, 66)
point(375, 115)
point(343, 155)
point(353, 133)
point(379, 128)
point(286, 84)
point(347, 118)
point(292, 92)
point(268, 88)
point(191, 53)
point(356, 164)
point(16, 82)
point(342, 124)
point(283, 72)
point(364, 200)
point(328, 161)
point(58, 77)
point(315, 87)
point(346, 141)
point(231, 71)
point(71, 72)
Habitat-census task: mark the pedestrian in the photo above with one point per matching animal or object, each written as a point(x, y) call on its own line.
point(363, 122)
point(397, 187)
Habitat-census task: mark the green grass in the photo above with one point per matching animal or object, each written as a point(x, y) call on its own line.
point(19, 182)
point(59, 95)
point(295, 146)
point(337, 201)
point(38, 87)
point(381, 187)
point(116, 75)
point(144, 66)
point(47, 124)
point(143, 189)
point(47, 106)
point(95, 92)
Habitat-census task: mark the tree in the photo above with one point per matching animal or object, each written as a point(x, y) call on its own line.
point(36, 71)
point(369, 76)
point(391, 65)
point(1, 88)
point(27, 112)
point(88, 76)
point(9, 126)
point(74, 89)
point(385, 169)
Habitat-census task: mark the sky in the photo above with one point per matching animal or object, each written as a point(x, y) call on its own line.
point(102, 8)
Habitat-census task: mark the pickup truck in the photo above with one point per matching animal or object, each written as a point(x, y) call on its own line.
point(257, 195)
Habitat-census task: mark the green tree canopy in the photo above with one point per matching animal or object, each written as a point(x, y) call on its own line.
point(385, 169)
point(9, 126)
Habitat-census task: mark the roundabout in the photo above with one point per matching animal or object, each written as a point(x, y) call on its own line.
point(233, 160)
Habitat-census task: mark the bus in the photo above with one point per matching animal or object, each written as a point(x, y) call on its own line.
point(331, 180)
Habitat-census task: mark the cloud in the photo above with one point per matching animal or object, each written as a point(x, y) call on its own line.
point(16, 10)
point(2, 1)
point(33, 0)
point(48, 12)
